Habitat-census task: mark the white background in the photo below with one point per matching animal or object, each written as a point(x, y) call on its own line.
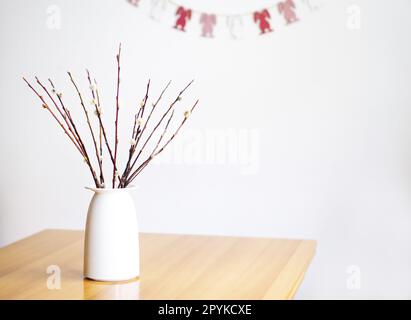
point(330, 105)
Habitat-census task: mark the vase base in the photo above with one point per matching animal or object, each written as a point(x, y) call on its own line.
point(125, 280)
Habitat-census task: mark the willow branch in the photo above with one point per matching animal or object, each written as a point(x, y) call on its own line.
point(162, 135)
point(46, 106)
point(101, 126)
point(66, 116)
point(158, 124)
point(140, 113)
point(71, 122)
point(178, 129)
point(63, 115)
point(139, 133)
point(157, 152)
point(87, 117)
point(136, 129)
point(96, 103)
point(115, 173)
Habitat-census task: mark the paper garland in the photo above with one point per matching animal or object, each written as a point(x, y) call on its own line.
point(259, 21)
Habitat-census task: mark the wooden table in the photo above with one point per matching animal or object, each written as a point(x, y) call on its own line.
point(172, 267)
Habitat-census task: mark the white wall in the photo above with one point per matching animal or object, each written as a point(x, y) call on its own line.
point(325, 111)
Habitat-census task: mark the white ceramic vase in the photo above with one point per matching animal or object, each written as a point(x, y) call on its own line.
point(111, 249)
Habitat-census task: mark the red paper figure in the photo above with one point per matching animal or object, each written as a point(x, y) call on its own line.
point(286, 8)
point(208, 21)
point(263, 17)
point(183, 15)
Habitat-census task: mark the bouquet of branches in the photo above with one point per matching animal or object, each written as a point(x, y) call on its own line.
point(141, 134)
